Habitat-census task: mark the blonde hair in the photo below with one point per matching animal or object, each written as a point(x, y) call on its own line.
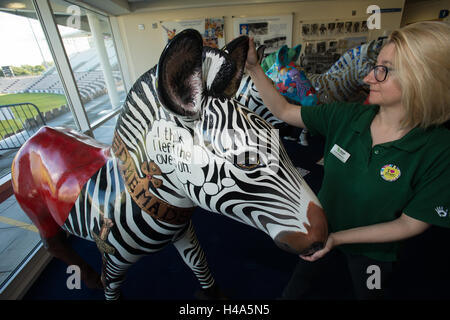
point(422, 63)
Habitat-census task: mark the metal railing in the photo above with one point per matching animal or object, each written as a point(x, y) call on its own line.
point(18, 122)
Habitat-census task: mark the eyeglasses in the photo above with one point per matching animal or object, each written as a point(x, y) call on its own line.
point(380, 72)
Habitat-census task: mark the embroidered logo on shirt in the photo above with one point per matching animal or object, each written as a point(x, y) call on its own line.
point(441, 211)
point(390, 172)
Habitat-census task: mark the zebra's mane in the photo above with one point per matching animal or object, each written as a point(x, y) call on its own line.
point(141, 108)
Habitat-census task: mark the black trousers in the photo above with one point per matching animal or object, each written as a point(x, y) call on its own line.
point(370, 278)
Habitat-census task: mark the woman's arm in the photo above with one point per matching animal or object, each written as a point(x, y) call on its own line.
point(278, 105)
point(399, 229)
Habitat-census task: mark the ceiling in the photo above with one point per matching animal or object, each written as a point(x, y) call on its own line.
point(154, 5)
point(122, 7)
point(128, 6)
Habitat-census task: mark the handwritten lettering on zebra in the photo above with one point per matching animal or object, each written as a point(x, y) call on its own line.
point(168, 145)
point(180, 142)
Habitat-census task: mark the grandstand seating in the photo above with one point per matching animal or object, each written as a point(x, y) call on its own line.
point(5, 83)
point(87, 71)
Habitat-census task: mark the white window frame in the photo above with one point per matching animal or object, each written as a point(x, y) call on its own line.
point(46, 18)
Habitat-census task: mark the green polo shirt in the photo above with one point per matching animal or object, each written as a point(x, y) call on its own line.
point(364, 185)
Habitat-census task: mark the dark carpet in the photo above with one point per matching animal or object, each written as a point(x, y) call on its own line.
point(248, 265)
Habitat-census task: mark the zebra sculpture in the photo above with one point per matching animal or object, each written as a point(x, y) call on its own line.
point(342, 82)
point(180, 142)
point(292, 83)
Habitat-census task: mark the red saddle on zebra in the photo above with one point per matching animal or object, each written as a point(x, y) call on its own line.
point(49, 184)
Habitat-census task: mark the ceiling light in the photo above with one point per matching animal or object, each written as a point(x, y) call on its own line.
point(16, 5)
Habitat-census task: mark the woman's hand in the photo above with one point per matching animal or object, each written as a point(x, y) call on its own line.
point(403, 227)
point(330, 244)
point(252, 56)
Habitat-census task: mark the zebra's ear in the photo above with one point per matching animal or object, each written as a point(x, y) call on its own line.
point(179, 72)
point(237, 51)
point(296, 53)
point(282, 56)
point(218, 70)
point(260, 53)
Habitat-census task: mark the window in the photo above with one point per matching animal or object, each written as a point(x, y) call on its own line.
point(89, 45)
point(76, 83)
point(31, 79)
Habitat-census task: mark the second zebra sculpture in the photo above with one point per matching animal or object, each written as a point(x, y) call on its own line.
point(342, 82)
point(181, 141)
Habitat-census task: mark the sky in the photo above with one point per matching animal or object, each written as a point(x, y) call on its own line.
point(19, 45)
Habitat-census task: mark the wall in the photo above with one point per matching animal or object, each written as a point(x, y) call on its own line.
point(143, 47)
point(423, 10)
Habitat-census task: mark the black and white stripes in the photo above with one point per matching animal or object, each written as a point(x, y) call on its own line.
point(344, 80)
point(248, 96)
point(225, 159)
point(133, 234)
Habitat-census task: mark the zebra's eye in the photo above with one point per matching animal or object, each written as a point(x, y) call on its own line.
point(248, 160)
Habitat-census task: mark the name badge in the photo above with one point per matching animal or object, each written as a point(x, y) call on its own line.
point(340, 153)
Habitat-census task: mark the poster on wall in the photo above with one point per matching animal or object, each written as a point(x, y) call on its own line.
point(211, 29)
point(324, 41)
point(320, 30)
point(273, 31)
point(332, 37)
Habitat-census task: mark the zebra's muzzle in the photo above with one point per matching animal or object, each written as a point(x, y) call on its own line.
point(306, 243)
point(316, 246)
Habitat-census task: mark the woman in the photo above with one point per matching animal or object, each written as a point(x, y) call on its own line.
point(387, 164)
